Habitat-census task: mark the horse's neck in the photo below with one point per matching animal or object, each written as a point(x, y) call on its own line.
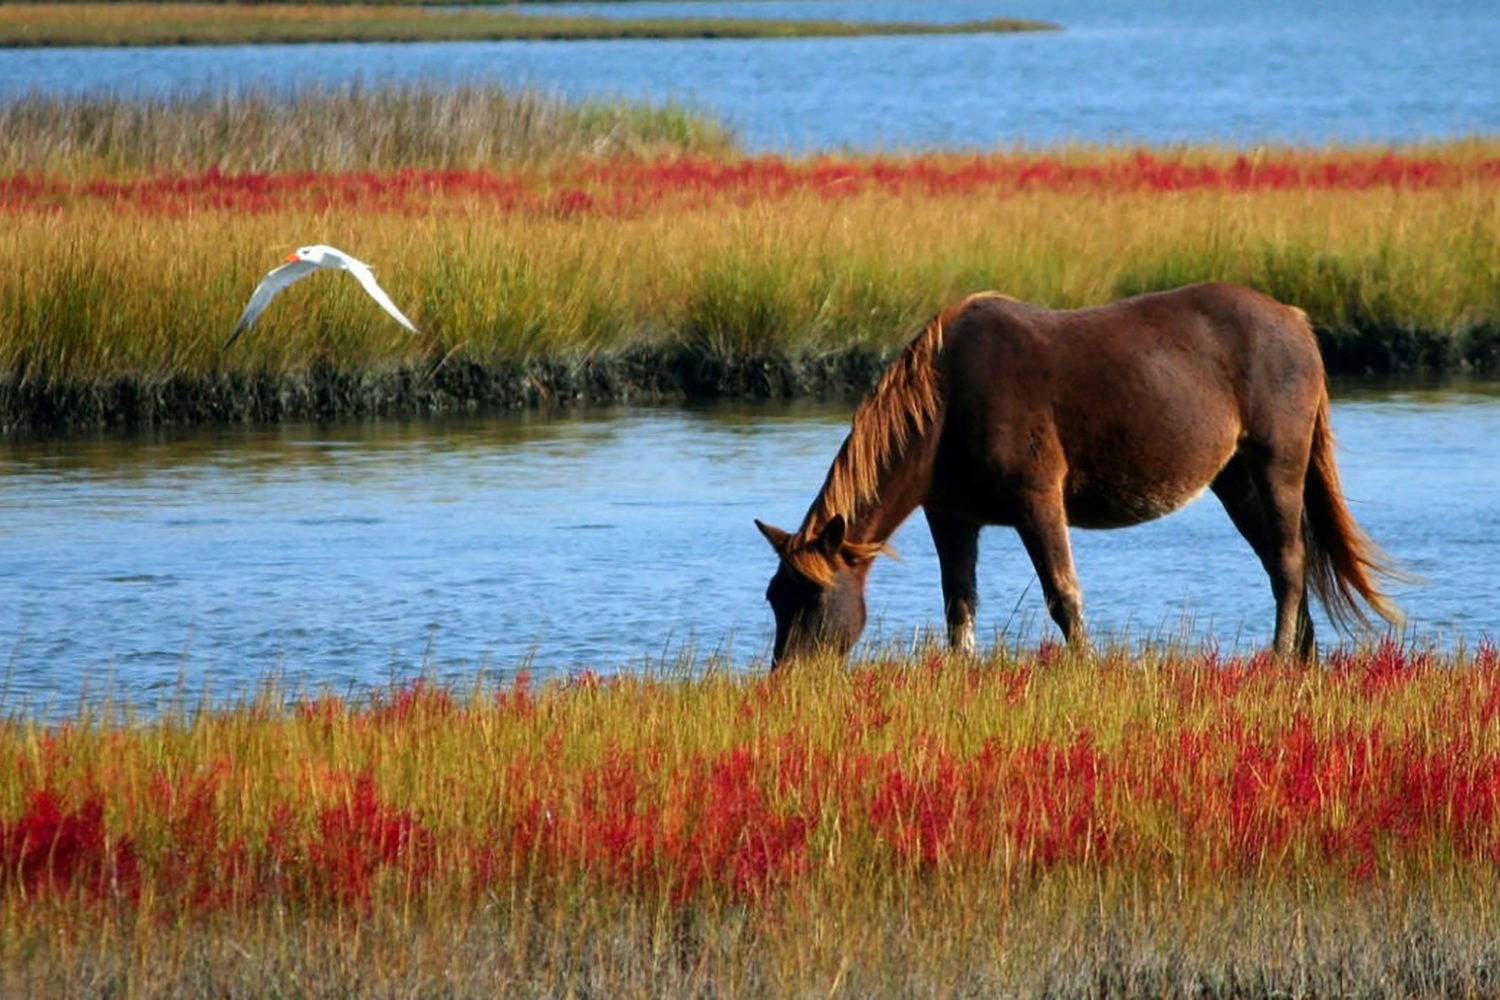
point(875, 498)
point(883, 468)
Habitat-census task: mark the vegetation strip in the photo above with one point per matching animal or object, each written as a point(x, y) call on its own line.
point(118, 139)
point(73, 24)
point(634, 187)
point(1029, 823)
point(437, 386)
point(763, 276)
point(553, 252)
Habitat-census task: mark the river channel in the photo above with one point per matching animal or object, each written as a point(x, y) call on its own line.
point(610, 540)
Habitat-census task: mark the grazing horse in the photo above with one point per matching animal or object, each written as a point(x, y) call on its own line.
point(1000, 412)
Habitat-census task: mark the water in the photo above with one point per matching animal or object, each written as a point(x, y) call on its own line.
point(350, 555)
point(1157, 71)
point(344, 556)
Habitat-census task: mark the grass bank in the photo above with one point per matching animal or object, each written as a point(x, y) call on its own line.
point(558, 252)
point(608, 279)
point(1027, 824)
point(71, 24)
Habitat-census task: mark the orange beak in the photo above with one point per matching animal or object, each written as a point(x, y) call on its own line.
point(292, 256)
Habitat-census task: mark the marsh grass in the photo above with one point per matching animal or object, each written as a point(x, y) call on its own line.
point(72, 24)
point(93, 291)
point(1156, 821)
point(552, 251)
point(353, 128)
point(1064, 944)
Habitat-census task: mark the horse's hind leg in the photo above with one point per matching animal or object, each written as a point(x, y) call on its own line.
point(957, 543)
point(1043, 527)
point(1266, 526)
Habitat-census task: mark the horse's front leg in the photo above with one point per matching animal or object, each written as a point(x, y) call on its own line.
point(957, 542)
point(1043, 527)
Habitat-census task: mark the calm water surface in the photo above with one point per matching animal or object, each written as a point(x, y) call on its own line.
point(1155, 70)
point(350, 555)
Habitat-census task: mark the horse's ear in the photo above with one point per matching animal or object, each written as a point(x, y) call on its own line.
point(774, 535)
point(831, 541)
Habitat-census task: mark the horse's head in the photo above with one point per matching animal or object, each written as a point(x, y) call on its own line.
point(818, 592)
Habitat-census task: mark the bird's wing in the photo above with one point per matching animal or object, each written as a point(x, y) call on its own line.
point(267, 290)
point(367, 279)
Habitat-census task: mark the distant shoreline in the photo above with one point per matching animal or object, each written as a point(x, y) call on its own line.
point(62, 25)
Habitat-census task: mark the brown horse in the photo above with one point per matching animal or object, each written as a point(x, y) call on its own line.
point(1000, 412)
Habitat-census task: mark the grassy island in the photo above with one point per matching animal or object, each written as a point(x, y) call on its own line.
point(553, 252)
point(62, 24)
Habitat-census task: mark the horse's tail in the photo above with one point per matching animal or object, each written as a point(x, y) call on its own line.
point(1342, 562)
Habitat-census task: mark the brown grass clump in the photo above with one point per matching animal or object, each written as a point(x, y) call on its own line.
point(353, 128)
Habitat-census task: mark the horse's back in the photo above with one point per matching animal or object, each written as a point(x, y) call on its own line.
point(1136, 404)
point(1201, 340)
point(1212, 322)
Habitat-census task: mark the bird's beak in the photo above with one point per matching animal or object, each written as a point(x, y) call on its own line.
point(292, 256)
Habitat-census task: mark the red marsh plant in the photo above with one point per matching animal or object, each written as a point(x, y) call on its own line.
point(1022, 819)
point(627, 187)
point(1384, 765)
point(56, 848)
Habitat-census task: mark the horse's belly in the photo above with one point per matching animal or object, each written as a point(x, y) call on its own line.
point(1119, 505)
point(1127, 475)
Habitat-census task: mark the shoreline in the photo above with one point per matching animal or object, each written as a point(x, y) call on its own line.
point(68, 25)
point(674, 373)
point(327, 392)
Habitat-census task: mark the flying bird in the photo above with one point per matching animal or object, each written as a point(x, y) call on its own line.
point(299, 265)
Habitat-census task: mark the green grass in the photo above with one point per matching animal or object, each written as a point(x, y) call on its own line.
point(71, 24)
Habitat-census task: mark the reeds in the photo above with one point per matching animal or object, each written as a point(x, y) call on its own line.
point(1030, 823)
point(379, 127)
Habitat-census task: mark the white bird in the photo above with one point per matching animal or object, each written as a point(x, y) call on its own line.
point(299, 265)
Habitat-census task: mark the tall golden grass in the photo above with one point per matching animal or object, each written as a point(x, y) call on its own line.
point(1033, 823)
point(96, 287)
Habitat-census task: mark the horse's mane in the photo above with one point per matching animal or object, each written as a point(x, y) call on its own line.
point(902, 406)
